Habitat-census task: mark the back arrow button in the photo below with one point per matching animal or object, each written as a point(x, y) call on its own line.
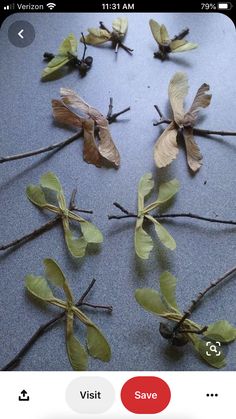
point(20, 33)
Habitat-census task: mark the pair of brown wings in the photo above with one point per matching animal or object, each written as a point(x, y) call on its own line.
point(93, 153)
point(166, 148)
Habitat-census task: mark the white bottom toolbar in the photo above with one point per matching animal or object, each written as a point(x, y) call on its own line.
point(113, 395)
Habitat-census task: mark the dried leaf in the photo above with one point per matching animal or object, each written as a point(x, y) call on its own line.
point(178, 90)
point(194, 156)
point(67, 50)
point(97, 36)
point(166, 148)
point(142, 241)
point(65, 116)
point(90, 151)
point(120, 25)
point(106, 145)
point(150, 300)
point(37, 285)
point(97, 344)
point(201, 100)
point(156, 31)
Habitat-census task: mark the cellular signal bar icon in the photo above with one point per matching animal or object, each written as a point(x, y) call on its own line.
point(9, 7)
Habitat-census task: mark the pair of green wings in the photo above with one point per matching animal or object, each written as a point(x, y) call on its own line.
point(162, 37)
point(97, 36)
point(67, 50)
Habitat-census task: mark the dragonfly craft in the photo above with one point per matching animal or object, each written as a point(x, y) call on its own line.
point(93, 123)
point(180, 330)
point(89, 232)
point(98, 36)
point(167, 45)
point(182, 125)
point(67, 55)
point(96, 344)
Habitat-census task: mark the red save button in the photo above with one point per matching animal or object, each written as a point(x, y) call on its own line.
point(145, 395)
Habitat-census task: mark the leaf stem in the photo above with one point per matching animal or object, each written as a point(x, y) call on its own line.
point(15, 362)
point(119, 43)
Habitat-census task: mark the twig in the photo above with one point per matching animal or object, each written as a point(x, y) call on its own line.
point(200, 296)
point(58, 146)
point(46, 326)
point(129, 214)
point(45, 227)
point(197, 131)
point(181, 35)
point(37, 232)
point(118, 42)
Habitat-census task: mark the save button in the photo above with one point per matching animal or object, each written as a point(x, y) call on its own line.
point(145, 395)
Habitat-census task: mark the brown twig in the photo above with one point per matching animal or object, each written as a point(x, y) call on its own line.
point(129, 214)
point(197, 131)
point(57, 146)
point(45, 227)
point(200, 296)
point(15, 362)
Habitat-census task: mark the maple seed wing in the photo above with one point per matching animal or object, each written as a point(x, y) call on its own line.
point(77, 355)
point(65, 116)
point(97, 36)
point(142, 241)
point(164, 35)
point(166, 148)
point(194, 156)
point(106, 146)
point(156, 31)
point(182, 45)
point(201, 100)
point(178, 89)
point(120, 25)
point(68, 45)
point(90, 151)
point(145, 186)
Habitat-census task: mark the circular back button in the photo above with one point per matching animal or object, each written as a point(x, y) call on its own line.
point(145, 395)
point(21, 33)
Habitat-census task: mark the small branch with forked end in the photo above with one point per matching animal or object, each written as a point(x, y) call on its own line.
point(45, 227)
point(200, 296)
point(15, 362)
point(129, 214)
point(118, 43)
point(197, 131)
point(58, 146)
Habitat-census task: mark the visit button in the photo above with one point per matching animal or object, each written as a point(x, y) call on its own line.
point(145, 395)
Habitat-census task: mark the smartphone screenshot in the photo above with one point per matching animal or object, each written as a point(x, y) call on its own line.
point(117, 210)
